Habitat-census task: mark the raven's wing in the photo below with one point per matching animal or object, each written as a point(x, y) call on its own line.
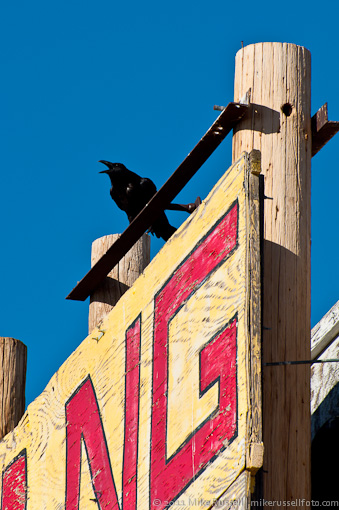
point(147, 188)
point(161, 226)
point(138, 193)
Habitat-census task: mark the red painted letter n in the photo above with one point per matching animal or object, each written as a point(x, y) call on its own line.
point(171, 475)
point(84, 424)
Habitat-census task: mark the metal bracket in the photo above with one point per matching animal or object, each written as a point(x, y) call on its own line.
point(246, 99)
point(189, 208)
point(322, 129)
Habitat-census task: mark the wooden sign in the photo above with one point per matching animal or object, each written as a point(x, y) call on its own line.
point(160, 406)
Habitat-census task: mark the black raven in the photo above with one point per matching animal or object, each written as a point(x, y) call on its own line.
point(131, 193)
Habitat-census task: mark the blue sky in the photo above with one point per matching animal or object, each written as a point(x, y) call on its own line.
point(133, 82)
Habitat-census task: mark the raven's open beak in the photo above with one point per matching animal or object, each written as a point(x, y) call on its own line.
point(105, 163)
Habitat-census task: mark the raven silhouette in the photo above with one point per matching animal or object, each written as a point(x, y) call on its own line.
point(131, 193)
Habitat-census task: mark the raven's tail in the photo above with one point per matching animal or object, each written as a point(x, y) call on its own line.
point(167, 233)
point(162, 228)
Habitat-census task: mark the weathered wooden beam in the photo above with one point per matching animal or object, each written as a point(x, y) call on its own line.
point(13, 358)
point(255, 451)
point(325, 331)
point(325, 376)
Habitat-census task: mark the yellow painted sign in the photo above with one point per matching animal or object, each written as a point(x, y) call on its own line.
point(153, 409)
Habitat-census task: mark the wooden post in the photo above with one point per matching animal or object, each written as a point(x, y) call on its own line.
point(13, 358)
point(122, 276)
point(279, 125)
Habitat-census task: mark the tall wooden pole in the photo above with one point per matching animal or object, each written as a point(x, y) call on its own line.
point(122, 276)
point(279, 125)
point(13, 358)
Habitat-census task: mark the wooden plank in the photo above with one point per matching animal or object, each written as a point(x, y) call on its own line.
point(325, 331)
point(254, 460)
point(255, 207)
point(325, 377)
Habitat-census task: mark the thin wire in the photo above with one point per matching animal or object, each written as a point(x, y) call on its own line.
point(301, 362)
